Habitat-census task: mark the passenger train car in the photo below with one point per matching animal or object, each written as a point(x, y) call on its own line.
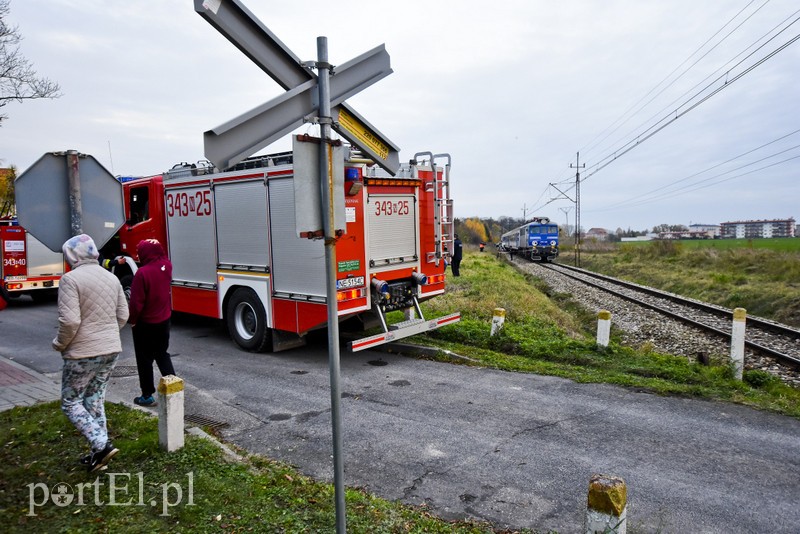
point(537, 239)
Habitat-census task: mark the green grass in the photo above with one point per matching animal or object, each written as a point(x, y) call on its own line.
point(778, 244)
point(39, 446)
point(550, 335)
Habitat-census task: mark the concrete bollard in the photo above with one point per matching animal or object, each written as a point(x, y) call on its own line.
point(607, 508)
point(737, 341)
point(498, 320)
point(170, 413)
point(603, 327)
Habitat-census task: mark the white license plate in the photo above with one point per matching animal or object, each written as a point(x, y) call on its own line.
point(348, 283)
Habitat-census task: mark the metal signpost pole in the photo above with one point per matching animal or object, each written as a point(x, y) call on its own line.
point(326, 184)
point(75, 210)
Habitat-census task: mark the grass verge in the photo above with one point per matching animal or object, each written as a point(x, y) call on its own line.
point(196, 489)
point(550, 335)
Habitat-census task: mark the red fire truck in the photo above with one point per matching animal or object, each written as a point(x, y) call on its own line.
point(28, 267)
point(237, 256)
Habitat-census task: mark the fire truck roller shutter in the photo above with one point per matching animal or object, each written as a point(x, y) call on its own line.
point(392, 223)
point(298, 264)
point(247, 322)
point(242, 233)
point(192, 234)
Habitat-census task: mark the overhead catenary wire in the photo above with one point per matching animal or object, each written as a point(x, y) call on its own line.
point(635, 200)
point(726, 78)
point(592, 144)
point(694, 187)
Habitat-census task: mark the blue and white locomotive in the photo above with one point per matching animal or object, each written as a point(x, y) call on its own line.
point(537, 239)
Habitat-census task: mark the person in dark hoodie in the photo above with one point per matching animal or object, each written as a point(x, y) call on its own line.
point(150, 312)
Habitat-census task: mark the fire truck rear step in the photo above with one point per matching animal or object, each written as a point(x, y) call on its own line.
point(405, 324)
point(403, 329)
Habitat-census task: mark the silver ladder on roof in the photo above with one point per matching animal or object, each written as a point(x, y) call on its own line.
point(443, 206)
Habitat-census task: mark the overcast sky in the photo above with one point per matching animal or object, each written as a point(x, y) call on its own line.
point(512, 89)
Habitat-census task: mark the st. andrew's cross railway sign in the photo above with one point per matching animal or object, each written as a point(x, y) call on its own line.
point(239, 138)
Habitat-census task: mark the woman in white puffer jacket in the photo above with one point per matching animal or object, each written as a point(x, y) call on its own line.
point(91, 311)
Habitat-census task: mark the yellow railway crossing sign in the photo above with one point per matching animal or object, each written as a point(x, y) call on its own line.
point(365, 137)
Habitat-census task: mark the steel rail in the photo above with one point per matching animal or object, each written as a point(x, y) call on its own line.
point(716, 310)
point(703, 306)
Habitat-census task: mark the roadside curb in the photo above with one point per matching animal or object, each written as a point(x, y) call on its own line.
point(195, 431)
point(20, 385)
point(227, 451)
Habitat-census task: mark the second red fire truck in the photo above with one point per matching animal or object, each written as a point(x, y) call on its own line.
point(28, 267)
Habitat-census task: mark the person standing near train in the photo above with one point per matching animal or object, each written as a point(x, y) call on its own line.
point(455, 264)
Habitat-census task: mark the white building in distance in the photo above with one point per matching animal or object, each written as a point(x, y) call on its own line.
point(757, 229)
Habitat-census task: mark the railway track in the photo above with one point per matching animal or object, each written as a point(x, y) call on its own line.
point(769, 345)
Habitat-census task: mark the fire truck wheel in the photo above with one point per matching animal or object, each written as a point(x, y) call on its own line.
point(44, 295)
point(126, 282)
point(247, 322)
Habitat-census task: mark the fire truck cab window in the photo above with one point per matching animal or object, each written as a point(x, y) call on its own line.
point(139, 198)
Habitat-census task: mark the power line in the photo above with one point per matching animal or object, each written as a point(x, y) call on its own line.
point(727, 78)
point(630, 200)
point(689, 105)
point(719, 69)
point(697, 186)
point(592, 144)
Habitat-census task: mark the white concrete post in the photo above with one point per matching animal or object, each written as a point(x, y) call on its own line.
point(737, 341)
point(170, 413)
point(498, 320)
point(607, 509)
point(603, 327)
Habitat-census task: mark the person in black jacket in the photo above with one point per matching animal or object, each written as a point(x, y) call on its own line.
point(456, 258)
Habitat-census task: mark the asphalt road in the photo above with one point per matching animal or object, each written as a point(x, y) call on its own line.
point(513, 449)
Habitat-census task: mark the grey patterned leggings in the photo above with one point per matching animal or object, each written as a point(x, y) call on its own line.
point(83, 392)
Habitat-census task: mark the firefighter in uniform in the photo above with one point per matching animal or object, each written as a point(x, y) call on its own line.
point(456, 263)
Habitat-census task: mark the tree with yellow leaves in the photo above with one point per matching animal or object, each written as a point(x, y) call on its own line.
point(472, 230)
point(7, 206)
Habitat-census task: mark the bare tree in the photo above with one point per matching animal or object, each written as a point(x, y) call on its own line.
point(18, 80)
